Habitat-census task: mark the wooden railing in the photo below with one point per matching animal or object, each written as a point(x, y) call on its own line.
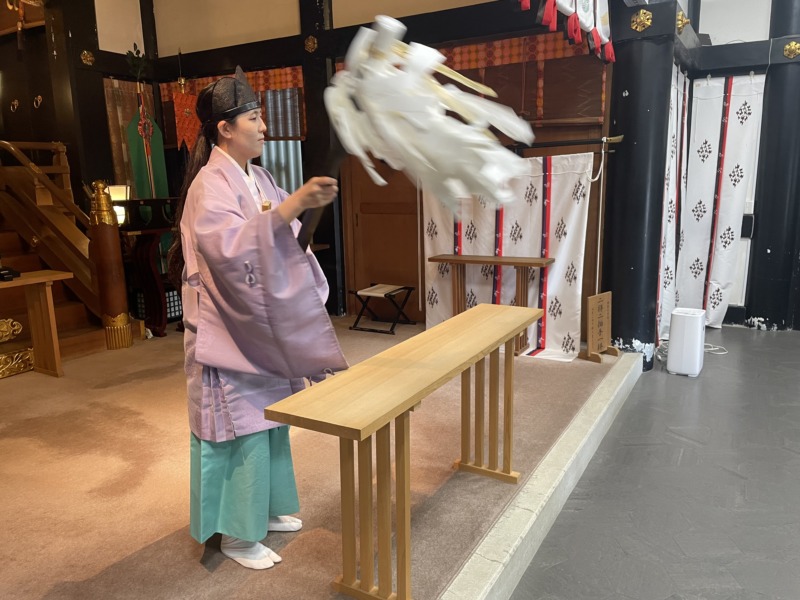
point(41, 174)
point(36, 199)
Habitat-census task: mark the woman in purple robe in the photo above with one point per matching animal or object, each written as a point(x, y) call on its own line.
point(255, 324)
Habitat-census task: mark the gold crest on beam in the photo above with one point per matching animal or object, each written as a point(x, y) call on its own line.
point(682, 21)
point(791, 50)
point(311, 44)
point(641, 20)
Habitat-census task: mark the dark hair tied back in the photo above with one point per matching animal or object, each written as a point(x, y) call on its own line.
point(222, 100)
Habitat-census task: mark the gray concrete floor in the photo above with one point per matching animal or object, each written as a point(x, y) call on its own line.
point(694, 494)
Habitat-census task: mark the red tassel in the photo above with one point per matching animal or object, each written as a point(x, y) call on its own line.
point(609, 52)
point(598, 44)
point(550, 15)
point(525, 4)
point(574, 28)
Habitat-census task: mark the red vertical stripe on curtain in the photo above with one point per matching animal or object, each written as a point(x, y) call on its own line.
point(547, 168)
point(723, 140)
point(683, 133)
point(498, 251)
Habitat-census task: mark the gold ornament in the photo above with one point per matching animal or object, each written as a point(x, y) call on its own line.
point(87, 58)
point(9, 329)
point(14, 363)
point(311, 44)
point(118, 331)
point(641, 20)
point(791, 50)
point(102, 209)
point(682, 21)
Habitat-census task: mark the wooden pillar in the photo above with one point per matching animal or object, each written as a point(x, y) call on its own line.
point(79, 98)
point(106, 254)
point(639, 111)
point(316, 17)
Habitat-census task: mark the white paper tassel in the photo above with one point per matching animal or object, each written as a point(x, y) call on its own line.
point(585, 10)
point(565, 7)
point(602, 21)
point(387, 103)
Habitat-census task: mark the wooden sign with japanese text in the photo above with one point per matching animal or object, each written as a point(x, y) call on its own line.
point(598, 322)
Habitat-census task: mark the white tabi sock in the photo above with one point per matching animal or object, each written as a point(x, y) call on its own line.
point(284, 523)
point(253, 555)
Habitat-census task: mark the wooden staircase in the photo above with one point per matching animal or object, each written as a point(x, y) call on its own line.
point(41, 227)
point(79, 331)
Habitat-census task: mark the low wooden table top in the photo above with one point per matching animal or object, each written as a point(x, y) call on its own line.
point(35, 277)
point(507, 261)
point(355, 403)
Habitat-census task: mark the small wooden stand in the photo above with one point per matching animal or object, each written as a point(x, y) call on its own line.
point(598, 339)
point(42, 318)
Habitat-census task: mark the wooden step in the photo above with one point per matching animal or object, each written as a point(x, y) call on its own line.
point(70, 315)
point(82, 341)
point(73, 343)
point(22, 262)
point(10, 243)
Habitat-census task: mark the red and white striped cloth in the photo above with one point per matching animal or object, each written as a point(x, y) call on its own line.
point(548, 219)
point(723, 156)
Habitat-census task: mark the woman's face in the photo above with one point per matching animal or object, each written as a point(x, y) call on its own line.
point(245, 137)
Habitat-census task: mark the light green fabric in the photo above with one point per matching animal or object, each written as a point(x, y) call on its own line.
point(237, 485)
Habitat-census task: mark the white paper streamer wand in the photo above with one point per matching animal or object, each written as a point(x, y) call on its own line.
point(386, 103)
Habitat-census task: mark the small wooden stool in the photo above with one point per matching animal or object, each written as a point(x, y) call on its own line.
point(387, 291)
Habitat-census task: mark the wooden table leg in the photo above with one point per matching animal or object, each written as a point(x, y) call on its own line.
point(44, 334)
point(480, 385)
point(466, 402)
point(521, 299)
point(459, 288)
point(508, 410)
point(494, 406)
point(348, 484)
point(479, 466)
point(383, 455)
point(363, 588)
point(402, 457)
point(366, 546)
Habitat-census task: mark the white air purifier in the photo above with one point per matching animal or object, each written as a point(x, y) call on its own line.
point(687, 338)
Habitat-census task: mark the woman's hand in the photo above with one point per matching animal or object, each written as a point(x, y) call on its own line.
point(317, 192)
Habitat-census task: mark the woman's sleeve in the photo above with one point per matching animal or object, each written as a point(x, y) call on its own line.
point(258, 289)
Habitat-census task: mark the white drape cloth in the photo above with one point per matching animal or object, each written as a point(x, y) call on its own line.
point(723, 154)
point(674, 193)
point(547, 219)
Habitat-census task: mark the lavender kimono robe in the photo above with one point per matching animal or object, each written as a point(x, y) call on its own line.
point(253, 304)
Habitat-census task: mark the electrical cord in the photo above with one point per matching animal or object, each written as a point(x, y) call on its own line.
point(663, 350)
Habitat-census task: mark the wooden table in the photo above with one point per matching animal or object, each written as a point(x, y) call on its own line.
point(361, 403)
point(42, 317)
point(522, 266)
